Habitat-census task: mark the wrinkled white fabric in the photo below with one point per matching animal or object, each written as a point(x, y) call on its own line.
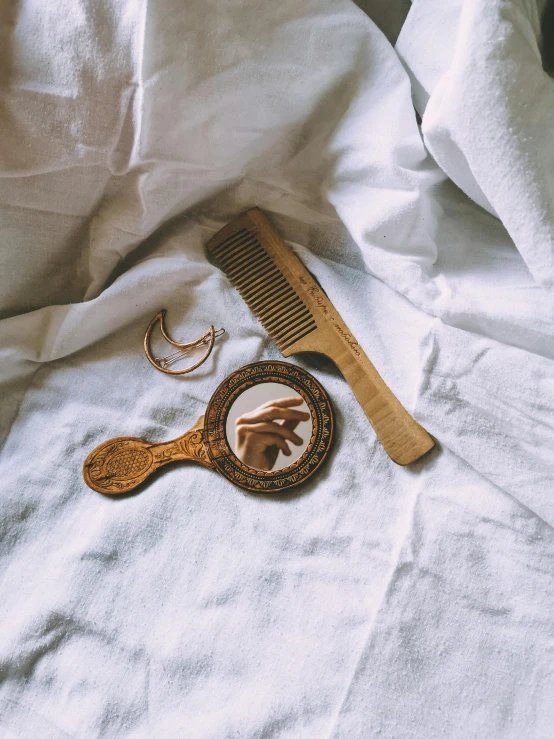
point(376, 601)
point(487, 121)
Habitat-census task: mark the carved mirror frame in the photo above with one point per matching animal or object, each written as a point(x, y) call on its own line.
point(215, 420)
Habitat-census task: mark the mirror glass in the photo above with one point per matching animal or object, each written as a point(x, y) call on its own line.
point(269, 426)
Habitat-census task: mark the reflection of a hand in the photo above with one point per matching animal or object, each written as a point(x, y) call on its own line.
point(265, 431)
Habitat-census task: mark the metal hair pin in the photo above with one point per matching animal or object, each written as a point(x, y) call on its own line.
point(162, 363)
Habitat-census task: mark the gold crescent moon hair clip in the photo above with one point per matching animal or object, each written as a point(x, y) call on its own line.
point(162, 363)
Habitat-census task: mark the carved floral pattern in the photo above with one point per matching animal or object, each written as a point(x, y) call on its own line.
point(119, 465)
point(192, 445)
point(114, 466)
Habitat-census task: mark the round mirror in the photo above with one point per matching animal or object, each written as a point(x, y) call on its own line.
point(268, 426)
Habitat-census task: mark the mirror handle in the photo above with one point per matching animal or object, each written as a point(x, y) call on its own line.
point(119, 465)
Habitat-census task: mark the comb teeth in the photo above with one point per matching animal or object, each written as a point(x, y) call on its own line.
point(264, 288)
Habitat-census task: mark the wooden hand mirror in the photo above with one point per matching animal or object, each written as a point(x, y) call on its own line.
point(268, 427)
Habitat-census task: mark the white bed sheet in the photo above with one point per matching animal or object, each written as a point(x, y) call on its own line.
point(379, 601)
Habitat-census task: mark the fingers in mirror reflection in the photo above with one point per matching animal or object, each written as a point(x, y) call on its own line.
point(269, 426)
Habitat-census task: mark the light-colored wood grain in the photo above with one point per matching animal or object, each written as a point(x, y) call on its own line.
point(300, 317)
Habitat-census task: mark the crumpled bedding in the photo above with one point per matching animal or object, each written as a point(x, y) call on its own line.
point(377, 600)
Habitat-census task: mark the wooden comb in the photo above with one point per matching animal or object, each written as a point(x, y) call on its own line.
point(299, 316)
